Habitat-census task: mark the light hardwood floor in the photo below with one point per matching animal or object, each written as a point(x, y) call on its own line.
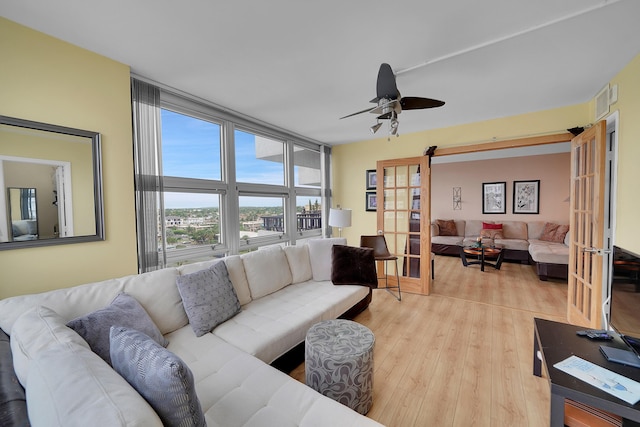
point(463, 355)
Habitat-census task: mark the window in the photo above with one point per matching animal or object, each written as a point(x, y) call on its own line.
point(259, 160)
point(190, 147)
point(228, 185)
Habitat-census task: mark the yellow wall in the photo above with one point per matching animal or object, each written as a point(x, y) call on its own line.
point(627, 202)
point(47, 80)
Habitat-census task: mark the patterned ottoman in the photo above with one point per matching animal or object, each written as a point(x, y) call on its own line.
point(339, 362)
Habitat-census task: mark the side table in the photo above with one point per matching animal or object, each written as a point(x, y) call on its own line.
point(339, 362)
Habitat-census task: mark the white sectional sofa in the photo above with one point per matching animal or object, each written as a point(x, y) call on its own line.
point(282, 292)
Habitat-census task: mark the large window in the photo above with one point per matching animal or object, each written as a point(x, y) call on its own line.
point(228, 185)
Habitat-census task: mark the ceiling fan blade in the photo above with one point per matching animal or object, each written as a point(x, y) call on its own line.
point(386, 84)
point(417, 103)
point(359, 112)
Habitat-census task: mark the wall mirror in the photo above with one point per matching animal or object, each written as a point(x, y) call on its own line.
point(51, 178)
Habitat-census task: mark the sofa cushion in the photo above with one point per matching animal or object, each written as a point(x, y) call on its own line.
point(472, 228)
point(267, 271)
point(320, 256)
point(554, 232)
point(447, 227)
point(124, 310)
point(542, 251)
point(166, 312)
point(272, 325)
point(237, 389)
point(353, 266)
point(69, 385)
point(37, 330)
point(299, 262)
point(160, 376)
point(208, 297)
point(515, 230)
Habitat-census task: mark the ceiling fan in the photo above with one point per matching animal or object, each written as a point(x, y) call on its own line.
point(390, 103)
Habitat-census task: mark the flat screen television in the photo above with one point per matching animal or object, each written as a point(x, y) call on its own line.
point(624, 306)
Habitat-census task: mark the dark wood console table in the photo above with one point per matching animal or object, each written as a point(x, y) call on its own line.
point(554, 342)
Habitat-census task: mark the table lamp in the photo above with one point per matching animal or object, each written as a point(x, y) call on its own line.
point(339, 218)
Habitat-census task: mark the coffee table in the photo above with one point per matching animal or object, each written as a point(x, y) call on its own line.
point(482, 252)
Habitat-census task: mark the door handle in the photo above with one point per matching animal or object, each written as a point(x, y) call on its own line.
point(597, 251)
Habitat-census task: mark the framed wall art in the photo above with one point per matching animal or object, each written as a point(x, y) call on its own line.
point(371, 201)
point(526, 197)
point(372, 182)
point(493, 197)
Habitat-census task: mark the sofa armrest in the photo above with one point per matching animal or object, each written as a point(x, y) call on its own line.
point(435, 230)
point(13, 401)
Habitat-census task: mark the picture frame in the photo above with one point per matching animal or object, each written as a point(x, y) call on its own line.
point(526, 197)
point(494, 197)
point(372, 181)
point(371, 201)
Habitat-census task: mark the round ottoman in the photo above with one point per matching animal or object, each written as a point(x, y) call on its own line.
point(339, 362)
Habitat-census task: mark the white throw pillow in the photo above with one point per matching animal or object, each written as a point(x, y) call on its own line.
point(299, 262)
point(36, 331)
point(69, 385)
point(320, 256)
point(267, 271)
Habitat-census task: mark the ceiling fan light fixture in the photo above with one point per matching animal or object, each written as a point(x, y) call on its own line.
point(375, 127)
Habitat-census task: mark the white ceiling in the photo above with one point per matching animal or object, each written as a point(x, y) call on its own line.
point(301, 65)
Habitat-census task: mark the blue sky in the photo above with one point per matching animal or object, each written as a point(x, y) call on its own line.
point(191, 148)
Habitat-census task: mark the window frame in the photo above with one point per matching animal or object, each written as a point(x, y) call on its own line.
point(230, 190)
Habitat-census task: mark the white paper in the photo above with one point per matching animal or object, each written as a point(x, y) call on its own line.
point(604, 379)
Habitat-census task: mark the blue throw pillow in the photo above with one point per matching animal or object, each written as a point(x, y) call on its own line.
point(160, 376)
point(124, 310)
point(208, 297)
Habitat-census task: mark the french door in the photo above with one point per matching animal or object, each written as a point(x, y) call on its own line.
point(586, 250)
point(403, 216)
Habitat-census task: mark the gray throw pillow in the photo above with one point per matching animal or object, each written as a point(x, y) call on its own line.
point(208, 297)
point(161, 377)
point(124, 310)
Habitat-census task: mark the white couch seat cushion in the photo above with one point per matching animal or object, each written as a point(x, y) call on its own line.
point(272, 325)
point(299, 262)
point(166, 312)
point(320, 256)
point(69, 385)
point(549, 252)
point(267, 271)
point(236, 389)
point(36, 331)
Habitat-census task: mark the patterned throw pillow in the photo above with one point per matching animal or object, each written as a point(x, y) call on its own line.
point(208, 297)
point(160, 376)
point(492, 234)
point(124, 310)
point(554, 232)
point(447, 227)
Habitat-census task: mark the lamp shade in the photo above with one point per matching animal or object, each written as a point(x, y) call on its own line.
point(340, 218)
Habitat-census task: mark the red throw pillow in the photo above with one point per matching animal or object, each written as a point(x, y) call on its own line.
point(554, 232)
point(447, 227)
point(488, 226)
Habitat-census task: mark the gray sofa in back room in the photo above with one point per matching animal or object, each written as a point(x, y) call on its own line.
point(543, 244)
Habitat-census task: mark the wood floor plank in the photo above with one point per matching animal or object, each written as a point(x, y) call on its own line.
point(463, 355)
